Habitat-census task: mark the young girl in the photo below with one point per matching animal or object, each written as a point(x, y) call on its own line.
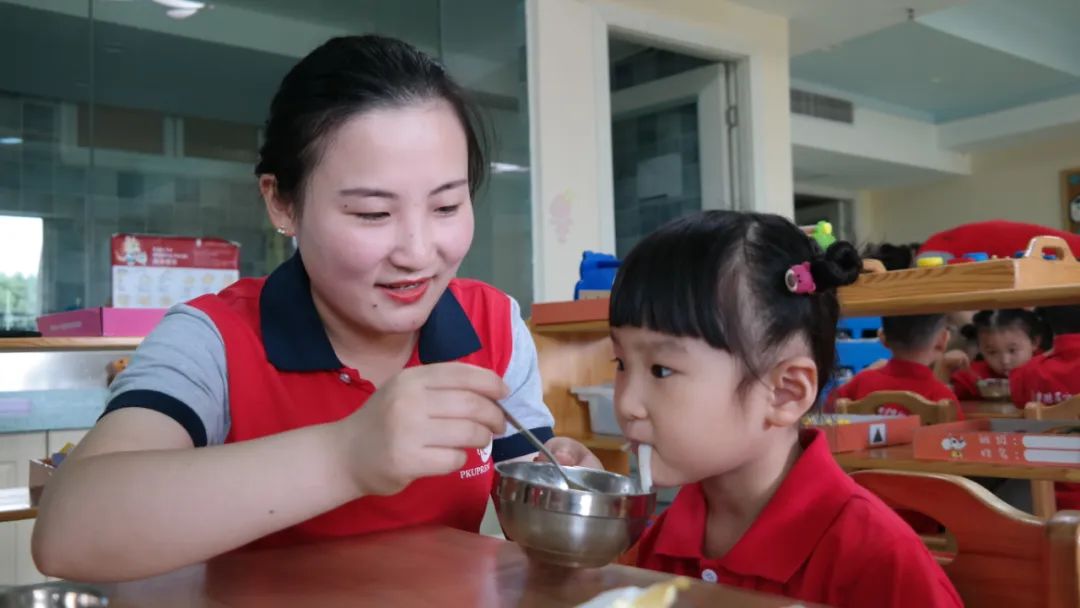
point(1007, 339)
point(723, 323)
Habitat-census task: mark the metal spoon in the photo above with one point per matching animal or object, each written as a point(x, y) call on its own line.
point(533, 439)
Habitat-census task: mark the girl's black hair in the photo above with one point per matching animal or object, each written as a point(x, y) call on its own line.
point(892, 257)
point(1061, 319)
point(720, 276)
point(1005, 318)
point(346, 76)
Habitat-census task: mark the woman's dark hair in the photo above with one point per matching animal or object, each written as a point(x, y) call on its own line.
point(1006, 318)
point(346, 76)
point(720, 276)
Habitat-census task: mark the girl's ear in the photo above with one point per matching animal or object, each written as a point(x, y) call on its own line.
point(794, 385)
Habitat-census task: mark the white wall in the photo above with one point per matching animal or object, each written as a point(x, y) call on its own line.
point(570, 113)
point(880, 136)
point(1020, 183)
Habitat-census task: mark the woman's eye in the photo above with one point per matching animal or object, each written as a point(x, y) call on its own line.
point(447, 209)
point(373, 217)
point(659, 371)
point(619, 364)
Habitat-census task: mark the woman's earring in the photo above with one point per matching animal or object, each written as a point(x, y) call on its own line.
point(281, 230)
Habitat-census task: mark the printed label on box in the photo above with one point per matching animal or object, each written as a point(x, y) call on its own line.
point(158, 271)
point(878, 434)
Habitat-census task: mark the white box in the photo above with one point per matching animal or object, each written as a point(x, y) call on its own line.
point(601, 398)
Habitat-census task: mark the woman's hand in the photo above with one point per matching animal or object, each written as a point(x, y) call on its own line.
point(571, 452)
point(420, 424)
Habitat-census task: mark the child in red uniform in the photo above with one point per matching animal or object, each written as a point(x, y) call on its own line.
point(916, 342)
point(723, 326)
point(1007, 340)
point(1053, 377)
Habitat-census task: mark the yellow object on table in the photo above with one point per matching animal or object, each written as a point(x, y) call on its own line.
point(659, 595)
point(930, 262)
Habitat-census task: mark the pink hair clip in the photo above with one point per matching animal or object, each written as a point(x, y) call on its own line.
point(799, 280)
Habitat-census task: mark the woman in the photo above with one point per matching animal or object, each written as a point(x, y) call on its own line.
point(370, 160)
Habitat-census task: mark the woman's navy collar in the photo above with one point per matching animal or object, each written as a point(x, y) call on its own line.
point(295, 339)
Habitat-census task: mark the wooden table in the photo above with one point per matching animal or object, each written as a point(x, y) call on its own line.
point(902, 458)
point(417, 567)
point(15, 504)
point(990, 409)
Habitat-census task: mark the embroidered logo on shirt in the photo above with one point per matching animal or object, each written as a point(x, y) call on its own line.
point(485, 452)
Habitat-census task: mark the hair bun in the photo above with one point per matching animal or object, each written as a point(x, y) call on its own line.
point(840, 265)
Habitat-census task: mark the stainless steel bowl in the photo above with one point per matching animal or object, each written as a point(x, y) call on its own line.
point(996, 389)
point(567, 527)
point(52, 595)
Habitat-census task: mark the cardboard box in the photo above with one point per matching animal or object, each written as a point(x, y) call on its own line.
point(851, 432)
point(95, 322)
point(150, 271)
point(999, 441)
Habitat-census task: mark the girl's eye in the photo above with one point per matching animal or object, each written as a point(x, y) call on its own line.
point(373, 217)
point(659, 371)
point(447, 209)
point(619, 364)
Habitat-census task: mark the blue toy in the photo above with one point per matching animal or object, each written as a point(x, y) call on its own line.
point(856, 355)
point(859, 327)
point(597, 272)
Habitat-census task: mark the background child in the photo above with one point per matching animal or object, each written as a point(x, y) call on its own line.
point(1051, 377)
point(723, 324)
point(1007, 339)
point(916, 342)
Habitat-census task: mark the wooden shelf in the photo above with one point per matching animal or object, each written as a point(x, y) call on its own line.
point(973, 300)
point(1027, 281)
point(580, 327)
point(39, 344)
point(15, 505)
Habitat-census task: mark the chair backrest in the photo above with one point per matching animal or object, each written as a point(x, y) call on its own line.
point(1043, 500)
point(929, 412)
point(1066, 410)
point(1004, 557)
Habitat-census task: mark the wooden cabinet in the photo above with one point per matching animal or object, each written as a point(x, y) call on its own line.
point(16, 451)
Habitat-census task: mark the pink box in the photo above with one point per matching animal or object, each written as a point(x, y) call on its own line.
point(101, 322)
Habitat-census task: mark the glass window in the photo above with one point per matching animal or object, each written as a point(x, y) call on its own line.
point(134, 117)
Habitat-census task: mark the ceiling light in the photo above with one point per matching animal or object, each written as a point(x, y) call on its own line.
point(181, 13)
point(186, 5)
point(10, 141)
point(508, 168)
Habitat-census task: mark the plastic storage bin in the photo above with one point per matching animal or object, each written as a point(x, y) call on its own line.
point(601, 399)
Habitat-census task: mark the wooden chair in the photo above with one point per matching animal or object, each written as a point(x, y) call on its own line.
point(1066, 410)
point(1003, 556)
point(1043, 500)
point(928, 411)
